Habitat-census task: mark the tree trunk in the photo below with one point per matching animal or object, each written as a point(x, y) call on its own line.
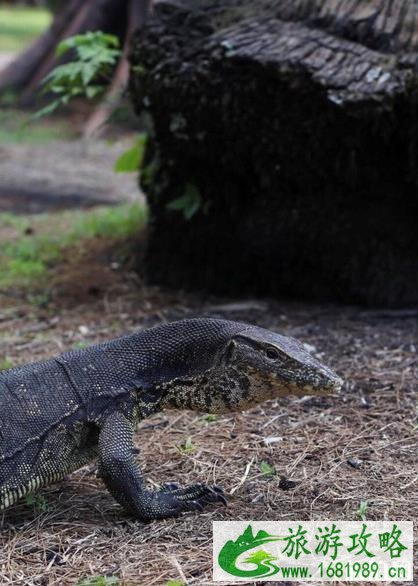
point(296, 122)
point(137, 15)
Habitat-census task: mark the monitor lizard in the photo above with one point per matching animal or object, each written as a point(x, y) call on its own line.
point(58, 415)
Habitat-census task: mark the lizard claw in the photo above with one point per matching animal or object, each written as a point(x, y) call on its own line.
point(215, 493)
point(194, 497)
point(221, 495)
point(201, 493)
point(194, 506)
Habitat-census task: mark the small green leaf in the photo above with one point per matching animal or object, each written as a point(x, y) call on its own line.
point(80, 345)
point(93, 90)
point(174, 583)
point(63, 48)
point(63, 74)
point(88, 71)
point(6, 363)
point(189, 203)
point(362, 510)
point(267, 469)
point(49, 109)
point(187, 447)
point(91, 38)
point(131, 160)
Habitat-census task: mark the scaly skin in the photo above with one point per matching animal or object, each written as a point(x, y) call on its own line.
point(58, 415)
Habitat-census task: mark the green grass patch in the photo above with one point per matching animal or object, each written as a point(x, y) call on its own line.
point(19, 26)
point(17, 127)
point(267, 469)
point(27, 256)
point(6, 363)
point(7, 219)
point(112, 222)
point(99, 581)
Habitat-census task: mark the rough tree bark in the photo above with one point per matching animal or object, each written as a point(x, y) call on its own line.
point(297, 122)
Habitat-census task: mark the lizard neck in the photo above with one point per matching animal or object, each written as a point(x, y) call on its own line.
point(183, 393)
point(220, 389)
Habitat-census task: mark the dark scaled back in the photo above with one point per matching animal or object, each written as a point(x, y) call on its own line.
point(149, 357)
point(34, 398)
point(38, 397)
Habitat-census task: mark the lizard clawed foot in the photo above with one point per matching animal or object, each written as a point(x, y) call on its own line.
point(171, 502)
point(195, 495)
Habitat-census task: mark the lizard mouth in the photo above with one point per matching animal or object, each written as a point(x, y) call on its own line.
point(328, 389)
point(336, 386)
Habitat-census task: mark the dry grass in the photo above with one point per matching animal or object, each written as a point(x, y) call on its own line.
point(76, 530)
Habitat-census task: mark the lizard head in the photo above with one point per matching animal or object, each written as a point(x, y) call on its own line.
point(264, 365)
point(216, 366)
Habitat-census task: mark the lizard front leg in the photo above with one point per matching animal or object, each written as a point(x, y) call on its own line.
point(125, 482)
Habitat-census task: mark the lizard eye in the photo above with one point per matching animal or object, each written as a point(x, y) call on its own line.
point(272, 354)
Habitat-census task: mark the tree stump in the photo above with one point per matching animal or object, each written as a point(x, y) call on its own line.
point(292, 126)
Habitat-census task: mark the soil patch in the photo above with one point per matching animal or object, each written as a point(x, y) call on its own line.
point(63, 174)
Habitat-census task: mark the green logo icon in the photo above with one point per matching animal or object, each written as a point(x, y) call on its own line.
point(229, 554)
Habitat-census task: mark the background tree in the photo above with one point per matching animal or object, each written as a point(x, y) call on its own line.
point(120, 17)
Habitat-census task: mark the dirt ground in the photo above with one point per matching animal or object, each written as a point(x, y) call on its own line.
point(361, 446)
point(63, 174)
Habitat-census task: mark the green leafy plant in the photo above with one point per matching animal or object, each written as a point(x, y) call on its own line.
point(267, 469)
point(174, 583)
point(131, 160)
point(189, 203)
point(96, 55)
